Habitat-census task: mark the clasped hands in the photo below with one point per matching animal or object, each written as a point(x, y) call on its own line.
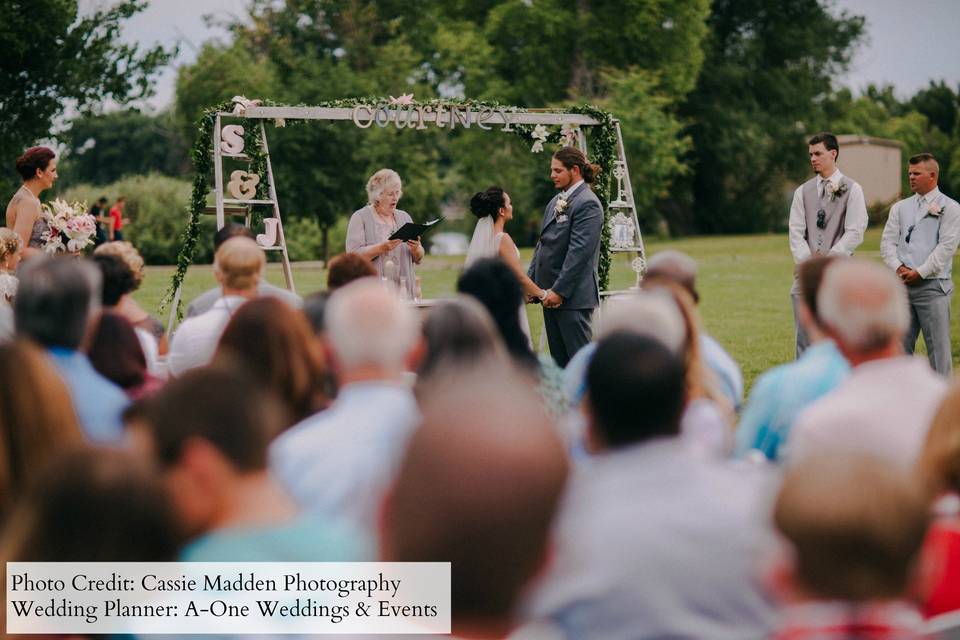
point(549, 299)
point(908, 275)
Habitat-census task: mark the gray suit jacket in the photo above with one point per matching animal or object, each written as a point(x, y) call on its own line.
point(568, 253)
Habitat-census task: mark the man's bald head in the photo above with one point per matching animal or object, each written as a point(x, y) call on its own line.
point(478, 488)
point(863, 305)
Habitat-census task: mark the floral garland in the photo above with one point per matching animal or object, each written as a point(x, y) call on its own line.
point(602, 148)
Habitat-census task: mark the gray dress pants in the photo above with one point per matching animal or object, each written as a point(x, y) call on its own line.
point(930, 314)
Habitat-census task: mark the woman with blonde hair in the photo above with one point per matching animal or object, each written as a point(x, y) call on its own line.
point(370, 228)
point(37, 419)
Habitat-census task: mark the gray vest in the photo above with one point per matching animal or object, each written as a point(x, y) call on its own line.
point(925, 235)
point(820, 240)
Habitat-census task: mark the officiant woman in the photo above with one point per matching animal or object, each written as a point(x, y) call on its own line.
point(371, 226)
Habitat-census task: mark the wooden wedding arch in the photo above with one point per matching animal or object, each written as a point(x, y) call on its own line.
point(232, 144)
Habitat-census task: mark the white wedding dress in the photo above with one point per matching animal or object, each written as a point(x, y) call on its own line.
point(486, 244)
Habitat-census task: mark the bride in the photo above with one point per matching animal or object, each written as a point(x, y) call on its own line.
point(494, 210)
point(38, 169)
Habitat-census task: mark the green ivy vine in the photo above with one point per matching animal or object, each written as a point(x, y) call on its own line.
point(602, 150)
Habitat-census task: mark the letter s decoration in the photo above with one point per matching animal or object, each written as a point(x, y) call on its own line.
point(231, 139)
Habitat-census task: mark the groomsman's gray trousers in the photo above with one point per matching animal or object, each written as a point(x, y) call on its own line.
point(567, 331)
point(930, 314)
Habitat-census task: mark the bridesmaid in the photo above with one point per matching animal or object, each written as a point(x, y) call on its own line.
point(38, 170)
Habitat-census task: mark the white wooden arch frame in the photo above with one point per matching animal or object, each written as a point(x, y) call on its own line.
point(625, 229)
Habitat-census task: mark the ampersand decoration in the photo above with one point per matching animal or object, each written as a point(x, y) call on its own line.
point(243, 185)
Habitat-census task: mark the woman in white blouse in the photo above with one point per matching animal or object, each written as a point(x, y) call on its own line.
point(371, 226)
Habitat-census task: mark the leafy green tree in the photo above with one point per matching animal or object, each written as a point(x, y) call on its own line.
point(940, 104)
point(106, 147)
point(895, 120)
point(767, 67)
point(53, 59)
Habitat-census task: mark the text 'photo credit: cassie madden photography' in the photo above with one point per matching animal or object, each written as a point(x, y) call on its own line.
point(228, 598)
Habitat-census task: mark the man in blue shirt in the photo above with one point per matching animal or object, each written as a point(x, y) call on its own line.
point(57, 306)
point(782, 393)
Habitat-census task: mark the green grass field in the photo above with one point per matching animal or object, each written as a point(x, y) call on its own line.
point(744, 286)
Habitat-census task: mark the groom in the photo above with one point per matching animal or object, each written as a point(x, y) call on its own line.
point(566, 258)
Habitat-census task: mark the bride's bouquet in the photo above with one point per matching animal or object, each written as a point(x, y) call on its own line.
point(70, 222)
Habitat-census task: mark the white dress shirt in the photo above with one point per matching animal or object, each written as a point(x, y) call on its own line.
point(854, 224)
point(884, 408)
point(949, 234)
point(195, 341)
point(566, 193)
point(340, 462)
point(653, 541)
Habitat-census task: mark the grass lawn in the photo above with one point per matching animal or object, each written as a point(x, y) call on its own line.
point(744, 286)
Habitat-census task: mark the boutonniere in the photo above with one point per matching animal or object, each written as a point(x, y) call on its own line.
point(836, 190)
point(935, 209)
point(561, 206)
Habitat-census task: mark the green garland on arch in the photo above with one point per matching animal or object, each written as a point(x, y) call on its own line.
point(602, 151)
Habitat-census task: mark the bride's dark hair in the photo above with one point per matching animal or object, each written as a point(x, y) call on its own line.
point(487, 203)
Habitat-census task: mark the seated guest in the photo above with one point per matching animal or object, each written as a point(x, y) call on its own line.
point(94, 506)
point(35, 423)
point(347, 267)
point(125, 304)
point(340, 461)
point(884, 408)
point(118, 281)
point(209, 432)
point(478, 487)
point(854, 526)
point(653, 541)
point(666, 312)
point(458, 333)
point(314, 309)
point(116, 353)
point(495, 285)
point(57, 307)
point(779, 395)
point(205, 301)
point(275, 346)
point(681, 269)
point(238, 266)
point(939, 470)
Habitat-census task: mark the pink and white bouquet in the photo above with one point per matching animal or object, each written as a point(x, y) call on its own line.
point(70, 222)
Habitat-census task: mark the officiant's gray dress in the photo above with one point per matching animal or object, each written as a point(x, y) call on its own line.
point(366, 229)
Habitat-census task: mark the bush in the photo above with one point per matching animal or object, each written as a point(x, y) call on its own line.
point(157, 209)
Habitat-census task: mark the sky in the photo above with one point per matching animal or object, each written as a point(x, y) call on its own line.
point(909, 42)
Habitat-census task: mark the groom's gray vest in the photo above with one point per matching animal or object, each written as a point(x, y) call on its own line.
point(820, 240)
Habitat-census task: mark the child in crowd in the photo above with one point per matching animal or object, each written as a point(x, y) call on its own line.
point(11, 250)
point(856, 526)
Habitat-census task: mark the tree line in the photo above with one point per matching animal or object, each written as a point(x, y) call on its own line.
point(715, 99)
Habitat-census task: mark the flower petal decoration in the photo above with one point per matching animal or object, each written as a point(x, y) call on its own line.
point(406, 98)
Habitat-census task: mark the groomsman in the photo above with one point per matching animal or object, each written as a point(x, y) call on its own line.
point(918, 242)
point(828, 216)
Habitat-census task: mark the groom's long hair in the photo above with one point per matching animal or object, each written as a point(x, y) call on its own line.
point(572, 157)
